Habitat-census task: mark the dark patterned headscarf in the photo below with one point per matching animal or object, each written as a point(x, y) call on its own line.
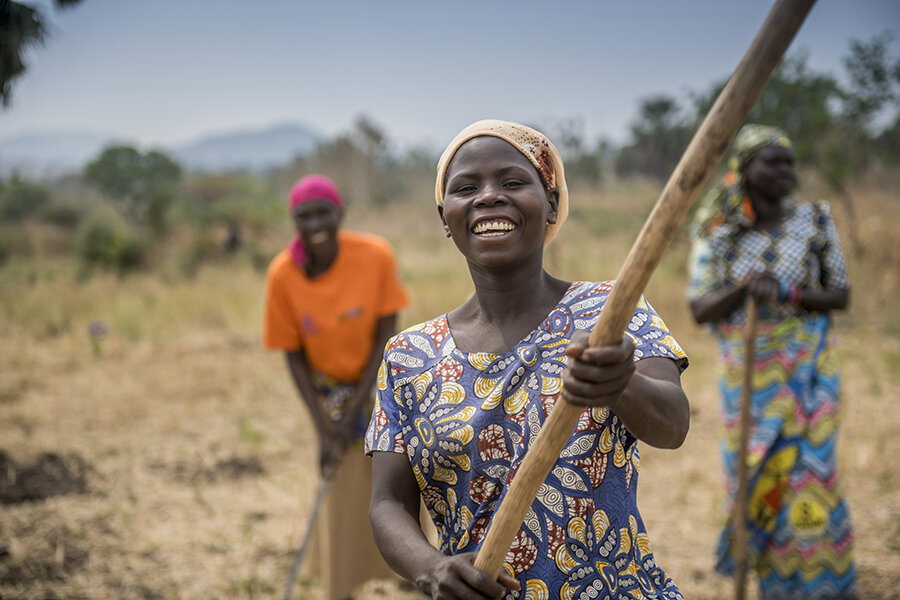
point(728, 202)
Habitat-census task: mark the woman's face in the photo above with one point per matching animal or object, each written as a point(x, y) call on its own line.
point(771, 172)
point(317, 223)
point(496, 207)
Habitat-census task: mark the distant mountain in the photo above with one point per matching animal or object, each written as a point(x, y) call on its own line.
point(50, 155)
point(253, 150)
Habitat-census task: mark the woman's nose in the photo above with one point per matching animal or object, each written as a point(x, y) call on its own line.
point(490, 195)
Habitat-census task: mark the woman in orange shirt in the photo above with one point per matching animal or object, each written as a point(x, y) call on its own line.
point(332, 298)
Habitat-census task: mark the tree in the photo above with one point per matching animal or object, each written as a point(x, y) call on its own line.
point(20, 199)
point(846, 150)
point(142, 183)
point(21, 27)
point(659, 137)
point(360, 162)
point(831, 126)
point(581, 163)
point(874, 77)
point(795, 99)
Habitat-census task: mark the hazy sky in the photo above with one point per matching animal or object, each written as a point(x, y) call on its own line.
point(167, 71)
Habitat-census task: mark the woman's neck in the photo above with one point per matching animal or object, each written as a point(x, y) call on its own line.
point(320, 260)
point(767, 210)
point(505, 308)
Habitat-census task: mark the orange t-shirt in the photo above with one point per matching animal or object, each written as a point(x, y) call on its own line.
point(333, 316)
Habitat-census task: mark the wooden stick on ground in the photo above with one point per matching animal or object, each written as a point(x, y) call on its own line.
point(307, 536)
point(693, 170)
point(741, 495)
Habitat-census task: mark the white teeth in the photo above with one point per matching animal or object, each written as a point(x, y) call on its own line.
point(493, 228)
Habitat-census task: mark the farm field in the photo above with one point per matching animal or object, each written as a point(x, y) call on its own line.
point(169, 457)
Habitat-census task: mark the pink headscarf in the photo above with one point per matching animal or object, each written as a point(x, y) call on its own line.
point(311, 187)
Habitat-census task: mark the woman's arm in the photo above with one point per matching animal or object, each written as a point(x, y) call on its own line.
point(330, 448)
point(386, 327)
point(394, 514)
point(717, 305)
point(825, 300)
point(647, 395)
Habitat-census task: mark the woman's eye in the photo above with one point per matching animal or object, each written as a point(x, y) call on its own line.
point(463, 189)
point(512, 184)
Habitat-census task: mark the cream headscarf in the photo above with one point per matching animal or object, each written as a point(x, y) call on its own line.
point(536, 147)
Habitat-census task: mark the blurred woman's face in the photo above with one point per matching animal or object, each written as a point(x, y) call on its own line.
point(317, 222)
point(771, 172)
point(496, 207)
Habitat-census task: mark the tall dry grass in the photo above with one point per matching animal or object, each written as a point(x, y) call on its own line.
point(201, 466)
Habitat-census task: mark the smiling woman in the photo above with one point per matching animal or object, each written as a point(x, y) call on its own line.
point(462, 397)
point(332, 299)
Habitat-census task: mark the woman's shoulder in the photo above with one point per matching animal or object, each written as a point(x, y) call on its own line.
point(280, 265)
point(588, 297)
point(816, 208)
point(592, 291)
point(418, 348)
point(422, 338)
point(804, 213)
point(592, 287)
point(364, 242)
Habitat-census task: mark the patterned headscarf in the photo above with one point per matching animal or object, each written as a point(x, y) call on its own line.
point(753, 138)
point(728, 203)
point(311, 187)
point(536, 147)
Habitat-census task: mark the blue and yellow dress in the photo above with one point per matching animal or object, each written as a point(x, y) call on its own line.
point(466, 420)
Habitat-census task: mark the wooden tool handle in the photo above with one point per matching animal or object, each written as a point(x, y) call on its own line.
point(693, 170)
point(743, 493)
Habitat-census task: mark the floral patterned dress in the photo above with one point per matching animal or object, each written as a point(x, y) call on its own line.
point(466, 420)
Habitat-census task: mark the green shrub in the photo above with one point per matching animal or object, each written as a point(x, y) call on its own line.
point(200, 250)
point(111, 246)
point(20, 199)
point(62, 215)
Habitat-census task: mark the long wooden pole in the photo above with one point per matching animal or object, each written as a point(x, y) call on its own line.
point(742, 493)
point(693, 170)
point(307, 536)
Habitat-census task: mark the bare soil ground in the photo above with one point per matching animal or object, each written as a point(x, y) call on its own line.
point(172, 459)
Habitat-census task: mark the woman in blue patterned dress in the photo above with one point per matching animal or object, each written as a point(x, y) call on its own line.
point(461, 399)
point(754, 239)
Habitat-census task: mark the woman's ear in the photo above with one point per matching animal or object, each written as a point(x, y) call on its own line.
point(553, 200)
point(440, 208)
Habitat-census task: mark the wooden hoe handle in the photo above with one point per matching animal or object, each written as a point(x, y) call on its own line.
point(693, 170)
point(742, 495)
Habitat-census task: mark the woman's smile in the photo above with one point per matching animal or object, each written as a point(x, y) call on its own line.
point(319, 237)
point(493, 227)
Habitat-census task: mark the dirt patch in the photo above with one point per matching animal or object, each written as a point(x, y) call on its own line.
point(49, 475)
point(231, 469)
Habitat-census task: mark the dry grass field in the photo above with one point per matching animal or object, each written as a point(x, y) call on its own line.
point(171, 458)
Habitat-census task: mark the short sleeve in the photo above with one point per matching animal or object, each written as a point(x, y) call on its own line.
point(831, 255)
point(393, 297)
point(384, 433)
point(281, 331)
point(651, 337)
point(703, 279)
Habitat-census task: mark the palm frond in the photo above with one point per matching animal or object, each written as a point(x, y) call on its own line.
point(21, 27)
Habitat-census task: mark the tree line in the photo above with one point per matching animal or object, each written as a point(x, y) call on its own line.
point(126, 200)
